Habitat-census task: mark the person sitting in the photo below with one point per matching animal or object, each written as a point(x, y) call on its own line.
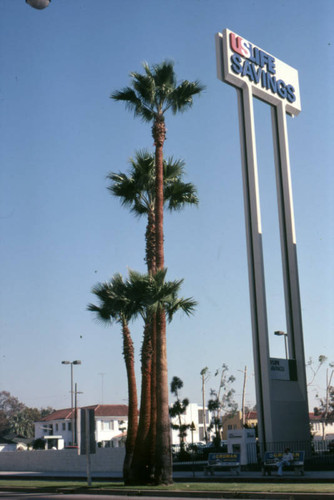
point(287, 458)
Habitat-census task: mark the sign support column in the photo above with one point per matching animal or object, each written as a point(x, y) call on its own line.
point(255, 257)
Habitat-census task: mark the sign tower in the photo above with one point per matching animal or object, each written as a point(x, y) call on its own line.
point(281, 392)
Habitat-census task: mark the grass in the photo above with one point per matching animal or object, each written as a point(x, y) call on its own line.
point(32, 485)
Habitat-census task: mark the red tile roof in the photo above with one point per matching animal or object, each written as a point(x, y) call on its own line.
point(251, 415)
point(58, 415)
point(99, 411)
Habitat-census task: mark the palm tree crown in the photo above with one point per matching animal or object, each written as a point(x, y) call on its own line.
point(137, 188)
point(156, 91)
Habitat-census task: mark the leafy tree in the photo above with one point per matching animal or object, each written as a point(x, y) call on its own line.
point(22, 423)
point(178, 409)
point(9, 406)
point(38, 444)
point(150, 96)
point(17, 418)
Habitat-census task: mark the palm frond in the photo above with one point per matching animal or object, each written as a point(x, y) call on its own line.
point(185, 305)
point(178, 194)
point(182, 96)
point(164, 75)
point(115, 301)
point(173, 169)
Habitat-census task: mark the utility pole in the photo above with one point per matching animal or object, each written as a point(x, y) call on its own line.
point(76, 392)
point(205, 375)
point(243, 398)
point(102, 385)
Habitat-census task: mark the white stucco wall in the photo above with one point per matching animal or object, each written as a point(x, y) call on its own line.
point(107, 460)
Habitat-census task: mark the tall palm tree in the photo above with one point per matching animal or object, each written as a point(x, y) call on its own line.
point(151, 95)
point(114, 305)
point(137, 191)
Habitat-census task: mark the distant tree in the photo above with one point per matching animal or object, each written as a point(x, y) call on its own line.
point(314, 369)
point(17, 418)
point(178, 409)
point(222, 401)
point(22, 424)
point(9, 406)
point(325, 409)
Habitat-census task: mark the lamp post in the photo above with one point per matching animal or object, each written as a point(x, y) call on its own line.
point(38, 4)
point(280, 334)
point(76, 362)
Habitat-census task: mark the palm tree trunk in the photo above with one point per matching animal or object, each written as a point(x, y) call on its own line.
point(159, 135)
point(150, 253)
point(153, 427)
point(163, 458)
point(140, 467)
point(163, 462)
point(128, 353)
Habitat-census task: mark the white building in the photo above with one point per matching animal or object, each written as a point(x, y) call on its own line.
point(111, 422)
point(194, 414)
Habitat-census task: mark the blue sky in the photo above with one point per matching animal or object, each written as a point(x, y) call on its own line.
point(62, 232)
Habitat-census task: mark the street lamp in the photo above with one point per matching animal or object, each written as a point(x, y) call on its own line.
point(38, 4)
point(76, 362)
point(280, 334)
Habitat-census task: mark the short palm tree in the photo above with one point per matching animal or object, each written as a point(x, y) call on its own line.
point(115, 305)
point(155, 295)
point(151, 95)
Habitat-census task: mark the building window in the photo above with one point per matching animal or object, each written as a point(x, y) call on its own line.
point(201, 433)
point(69, 426)
point(200, 416)
point(56, 427)
point(229, 427)
point(64, 426)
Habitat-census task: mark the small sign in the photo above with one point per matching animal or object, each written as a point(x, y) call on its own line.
point(279, 369)
point(87, 442)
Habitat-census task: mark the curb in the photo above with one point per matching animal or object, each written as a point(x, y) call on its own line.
point(172, 494)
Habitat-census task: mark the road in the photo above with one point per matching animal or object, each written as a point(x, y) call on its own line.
point(43, 496)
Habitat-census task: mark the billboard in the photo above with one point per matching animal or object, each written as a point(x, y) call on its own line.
point(241, 63)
